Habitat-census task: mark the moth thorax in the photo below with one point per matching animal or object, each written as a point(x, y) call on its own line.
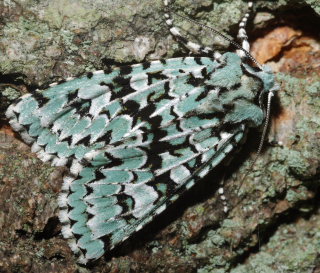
point(252, 84)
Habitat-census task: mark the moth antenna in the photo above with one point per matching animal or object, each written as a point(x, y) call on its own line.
point(242, 34)
point(224, 37)
point(263, 136)
point(193, 47)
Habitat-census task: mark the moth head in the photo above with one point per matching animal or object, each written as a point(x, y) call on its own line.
point(268, 79)
point(266, 76)
point(269, 85)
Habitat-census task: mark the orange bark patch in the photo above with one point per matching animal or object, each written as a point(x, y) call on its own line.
point(7, 130)
point(303, 54)
point(291, 50)
point(269, 46)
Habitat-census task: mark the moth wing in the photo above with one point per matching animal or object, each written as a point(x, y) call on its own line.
point(122, 189)
point(137, 136)
point(173, 140)
point(71, 118)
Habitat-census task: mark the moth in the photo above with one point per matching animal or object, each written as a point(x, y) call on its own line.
point(136, 137)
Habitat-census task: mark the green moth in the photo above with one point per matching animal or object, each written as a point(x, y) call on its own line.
point(136, 137)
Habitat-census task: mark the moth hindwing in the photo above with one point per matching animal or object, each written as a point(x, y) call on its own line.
point(135, 138)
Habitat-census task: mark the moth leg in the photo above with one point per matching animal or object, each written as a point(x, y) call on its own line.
point(242, 34)
point(175, 31)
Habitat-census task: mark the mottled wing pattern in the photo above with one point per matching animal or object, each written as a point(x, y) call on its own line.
point(123, 188)
point(74, 117)
point(135, 137)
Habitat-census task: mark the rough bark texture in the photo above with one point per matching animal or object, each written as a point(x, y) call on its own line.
point(273, 225)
